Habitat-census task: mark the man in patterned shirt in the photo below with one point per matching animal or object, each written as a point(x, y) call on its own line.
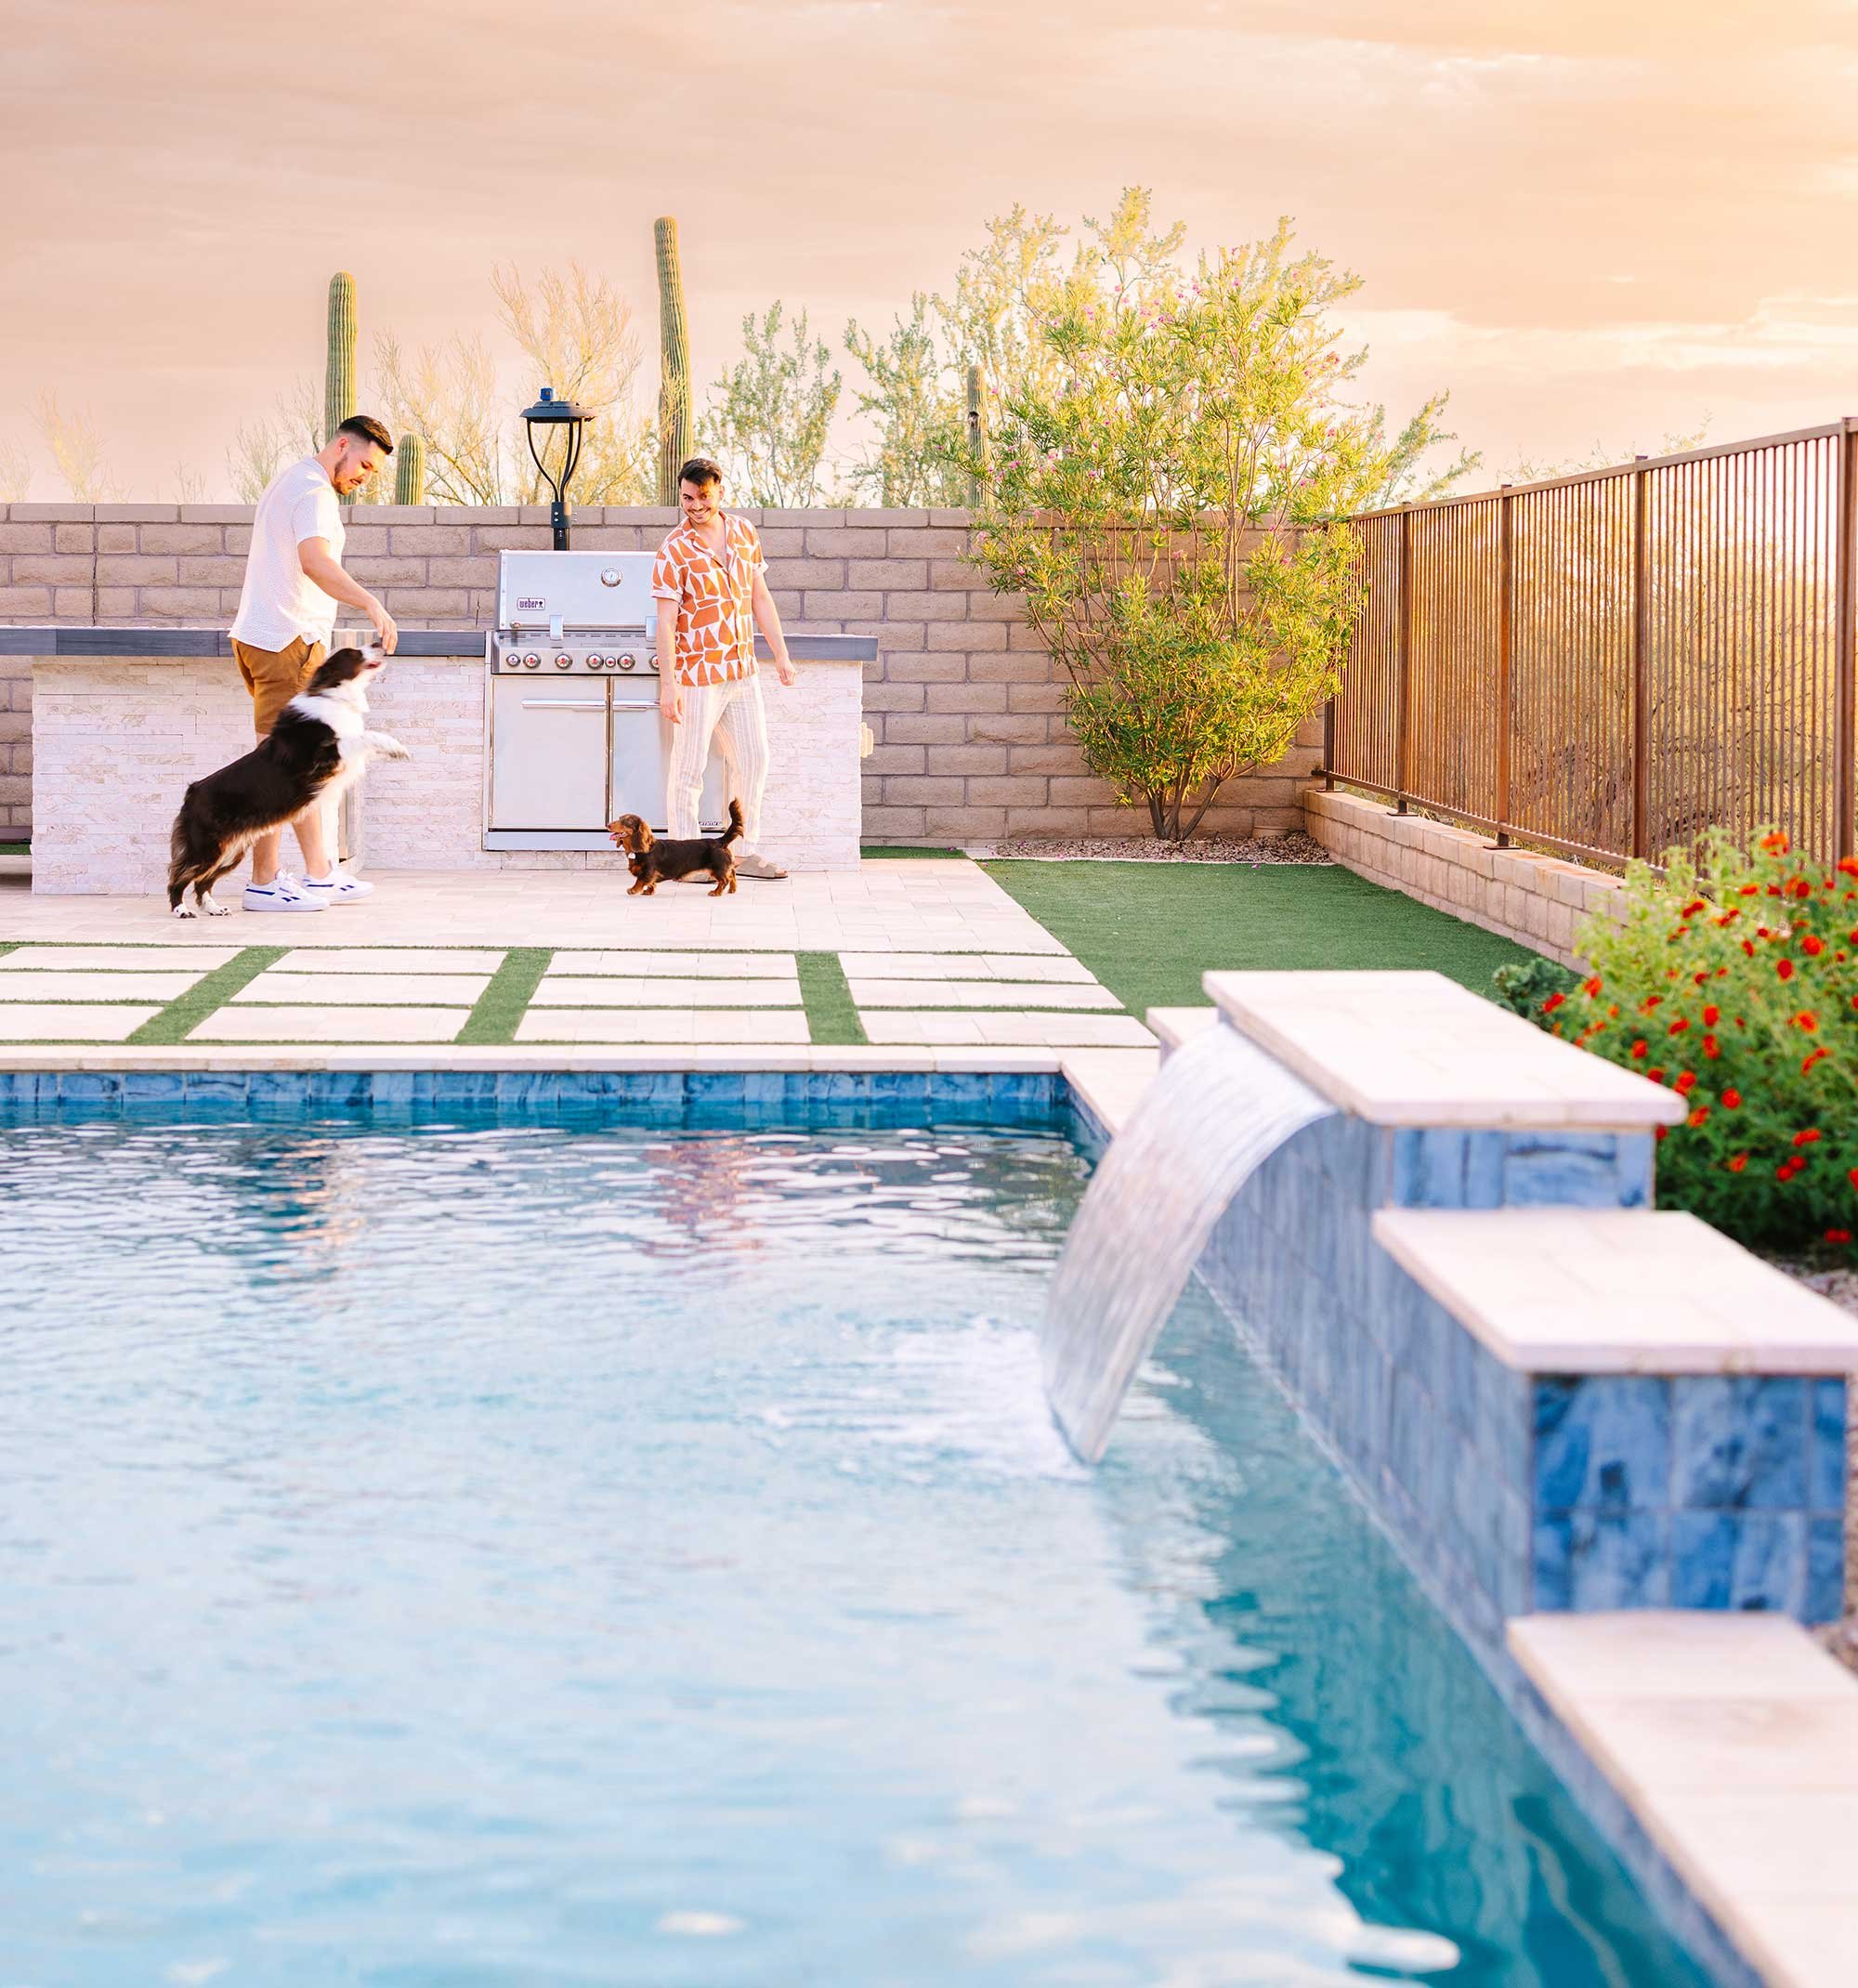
point(710, 584)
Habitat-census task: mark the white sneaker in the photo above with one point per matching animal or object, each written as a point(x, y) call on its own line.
point(282, 894)
point(337, 887)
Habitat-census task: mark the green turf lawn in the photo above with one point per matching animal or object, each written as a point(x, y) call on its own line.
point(1148, 931)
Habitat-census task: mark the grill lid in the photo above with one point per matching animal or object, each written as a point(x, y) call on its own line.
point(576, 590)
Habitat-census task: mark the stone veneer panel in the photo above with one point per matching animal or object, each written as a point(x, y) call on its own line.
point(1538, 901)
point(965, 705)
point(118, 742)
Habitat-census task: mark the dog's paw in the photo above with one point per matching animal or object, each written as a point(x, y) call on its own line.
point(214, 909)
point(392, 749)
point(183, 911)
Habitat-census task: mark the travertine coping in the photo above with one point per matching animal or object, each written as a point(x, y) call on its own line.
point(1734, 1738)
point(543, 1056)
point(1615, 1291)
point(1172, 1026)
point(1415, 1049)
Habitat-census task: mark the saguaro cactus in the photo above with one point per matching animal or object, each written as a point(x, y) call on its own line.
point(338, 380)
point(674, 362)
point(410, 470)
point(976, 436)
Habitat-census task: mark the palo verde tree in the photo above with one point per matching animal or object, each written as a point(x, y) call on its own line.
point(1167, 504)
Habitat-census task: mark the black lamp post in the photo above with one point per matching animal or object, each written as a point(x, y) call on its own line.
point(549, 412)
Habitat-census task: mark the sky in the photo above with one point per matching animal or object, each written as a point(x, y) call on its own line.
point(1599, 225)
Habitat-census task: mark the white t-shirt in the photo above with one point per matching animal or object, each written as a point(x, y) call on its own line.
point(278, 601)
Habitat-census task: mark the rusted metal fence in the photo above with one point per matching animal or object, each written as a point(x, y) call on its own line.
point(1607, 664)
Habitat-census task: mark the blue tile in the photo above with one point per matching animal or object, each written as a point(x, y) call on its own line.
point(1633, 1169)
point(1824, 1570)
point(1748, 1560)
point(1592, 1561)
point(1561, 1172)
point(153, 1087)
point(1825, 1464)
point(91, 1088)
point(1739, 1442)
point(1483, 1170)
point(1602, 1443)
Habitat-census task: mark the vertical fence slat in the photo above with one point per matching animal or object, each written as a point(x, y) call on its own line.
point(1403, 694)
point(1844, 676)
point(1641, 663)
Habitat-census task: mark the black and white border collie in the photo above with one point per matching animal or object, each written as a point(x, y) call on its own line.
point(319, 745)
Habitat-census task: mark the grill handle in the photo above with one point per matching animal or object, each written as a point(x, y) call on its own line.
point(635, 703)
point(562, 703)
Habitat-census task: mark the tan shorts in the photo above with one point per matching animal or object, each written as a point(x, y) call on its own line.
point(275, 675)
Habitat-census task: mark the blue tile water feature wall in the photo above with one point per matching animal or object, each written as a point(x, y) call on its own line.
point(1515, 1492)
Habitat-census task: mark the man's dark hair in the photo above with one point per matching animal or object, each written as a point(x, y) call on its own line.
point(370, 430)
point(701, 471)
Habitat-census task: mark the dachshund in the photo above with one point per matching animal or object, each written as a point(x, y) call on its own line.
point(653, 862)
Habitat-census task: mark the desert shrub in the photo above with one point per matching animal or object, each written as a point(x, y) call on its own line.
point(1732, 980)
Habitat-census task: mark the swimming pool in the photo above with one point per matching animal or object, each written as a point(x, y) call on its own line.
point(492, 1552)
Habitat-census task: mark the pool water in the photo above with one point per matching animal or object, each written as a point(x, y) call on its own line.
point(481, 1554)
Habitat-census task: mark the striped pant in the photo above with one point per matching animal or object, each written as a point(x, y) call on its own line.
point(732, 713)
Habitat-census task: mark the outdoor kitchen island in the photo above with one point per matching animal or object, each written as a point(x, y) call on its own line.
point(123, 718)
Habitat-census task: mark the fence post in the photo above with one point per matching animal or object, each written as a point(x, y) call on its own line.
point(1641, 664)
point(1843, 678)
point(1330, 746)
point(1403, 692)
point(1506, 609)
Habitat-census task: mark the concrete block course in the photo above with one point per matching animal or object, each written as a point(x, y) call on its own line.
point(961, 688)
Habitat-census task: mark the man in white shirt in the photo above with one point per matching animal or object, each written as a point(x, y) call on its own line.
point(293, 582)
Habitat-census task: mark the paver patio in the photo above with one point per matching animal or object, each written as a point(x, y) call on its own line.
point(929, 954)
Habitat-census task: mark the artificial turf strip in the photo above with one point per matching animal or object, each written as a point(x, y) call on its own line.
point(1148, 931)
point(831, 1015)
point(503, 1003)
point(208, 994)
point(908, 851)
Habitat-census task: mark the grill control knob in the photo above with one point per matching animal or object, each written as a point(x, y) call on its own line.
point(628, 663)
point(564, 662)
point(530, 662)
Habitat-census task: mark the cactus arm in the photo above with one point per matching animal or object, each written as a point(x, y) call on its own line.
point(674, 358)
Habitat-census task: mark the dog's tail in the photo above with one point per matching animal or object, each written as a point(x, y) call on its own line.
point(733, 832)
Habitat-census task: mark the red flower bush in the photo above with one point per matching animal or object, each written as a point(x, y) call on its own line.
point(1768, 1149)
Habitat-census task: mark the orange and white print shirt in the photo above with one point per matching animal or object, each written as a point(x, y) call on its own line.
point(713, 595)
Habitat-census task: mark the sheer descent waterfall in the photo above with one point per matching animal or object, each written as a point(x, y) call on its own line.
point(1218, 1108)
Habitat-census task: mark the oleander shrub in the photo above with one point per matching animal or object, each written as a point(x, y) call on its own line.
point(1732, 981)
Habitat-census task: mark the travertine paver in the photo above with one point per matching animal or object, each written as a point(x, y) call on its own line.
point(702, 966)
point(333, 1023)
point(1617, 1290)
point(688, 1026)
point(1057, 1031)
point(1456, 1058)
point(391, 959)
point(1735, 1740)
point(30, 1022)
point(577, 991)
point(881, 907)
point(116, 958)
point(981, 994)
point(963, 966)
point(283, 984)
point(144, 985)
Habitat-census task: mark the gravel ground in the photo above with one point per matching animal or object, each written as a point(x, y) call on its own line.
point(1842, 1287)
point(1287, 846)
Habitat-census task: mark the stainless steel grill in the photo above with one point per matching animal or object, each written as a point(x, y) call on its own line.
point(573, 735)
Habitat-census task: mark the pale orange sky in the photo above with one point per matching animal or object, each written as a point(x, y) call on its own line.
point(1593, 223)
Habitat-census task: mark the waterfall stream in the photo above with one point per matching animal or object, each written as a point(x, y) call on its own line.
point(1217, 1110)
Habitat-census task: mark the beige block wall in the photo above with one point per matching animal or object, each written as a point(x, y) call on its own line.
point(1538, 901)
point(966, 707)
